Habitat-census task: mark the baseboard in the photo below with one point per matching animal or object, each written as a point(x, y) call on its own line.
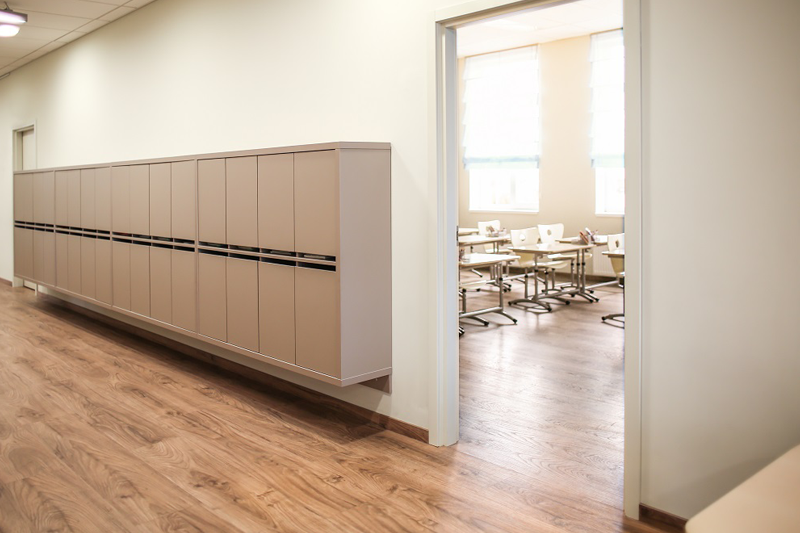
point(6, 282)
point(275, 383)
point(668, 522)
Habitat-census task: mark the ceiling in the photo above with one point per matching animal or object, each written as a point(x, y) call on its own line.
point(54, 23)
point(539, 25)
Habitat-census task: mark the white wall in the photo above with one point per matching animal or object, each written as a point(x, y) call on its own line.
point(195, 76)
point(721, 342)
point(566, 176)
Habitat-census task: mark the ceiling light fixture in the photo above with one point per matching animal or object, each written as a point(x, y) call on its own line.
point(8, 15)
point(8, 30)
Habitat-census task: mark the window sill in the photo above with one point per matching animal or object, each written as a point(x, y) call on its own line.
point(609, 215)
point(505, 211)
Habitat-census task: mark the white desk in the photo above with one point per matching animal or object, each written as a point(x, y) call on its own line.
point(476, 240)
point(495, 262)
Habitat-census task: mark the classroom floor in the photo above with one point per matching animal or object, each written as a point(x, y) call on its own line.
point(103, 431)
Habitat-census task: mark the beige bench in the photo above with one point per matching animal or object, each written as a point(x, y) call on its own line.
point(768, 502)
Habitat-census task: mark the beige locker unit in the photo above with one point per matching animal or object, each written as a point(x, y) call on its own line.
point(282, 255)
point(89, 267)
point(212, 311)
point(121, 274)
point(120, 199)
point(140, 279)
point(241, 199)
point(74, 198)
point(62, 198)
point(184, 289)
point(276, 202)
point(140, 199)
point(316, 202)
point(102, 197)
point(62, 261)
point(242, 298)
point(104, 288)
point(74, 264)
point(276, 330)
point(88, 200)
point(160, 200)
point(23, 253)
point(44, 205)
point(184, 200)
point(161, 283)
point(23, 197)
point(211, 201)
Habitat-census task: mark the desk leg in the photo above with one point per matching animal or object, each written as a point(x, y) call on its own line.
point(529, 303)
point(500, 297)
point(582, 278)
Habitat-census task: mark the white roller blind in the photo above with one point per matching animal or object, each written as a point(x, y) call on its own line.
point(608, 99)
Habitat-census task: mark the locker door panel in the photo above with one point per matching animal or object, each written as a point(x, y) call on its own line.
point(241, 193)
point(140, 199)
point(212, 304)
point(276, 311)
point(49, 270)
point(161, 284)
point(62, 198)
point(120, 199)
point(62, 260)
point(184, 290)
point(104, 289)
point(121, 275)
point(140, 279)
point(74, 198)
point(74, 268)
point(160, 200)
point(317, 316)
point(316, 203)
point(38, 256)
point(102, 195)
point(276, 202)
point(46, 198)
point(23, 197)
point(184, 200)
point(88, 200)
point(88, 267)
point(211, 200)
point(242, 299)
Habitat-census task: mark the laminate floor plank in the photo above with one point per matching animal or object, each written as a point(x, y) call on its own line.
point(104, 431)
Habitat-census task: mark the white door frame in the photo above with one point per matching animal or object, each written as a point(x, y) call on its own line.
point(444, 394)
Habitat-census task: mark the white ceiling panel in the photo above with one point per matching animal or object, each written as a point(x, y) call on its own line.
point(540, 25)
point(54, 23)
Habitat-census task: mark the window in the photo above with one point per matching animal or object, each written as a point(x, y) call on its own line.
point(502, 130)
point(608, 122)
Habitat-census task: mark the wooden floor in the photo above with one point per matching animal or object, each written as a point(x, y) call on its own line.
point(101, 431)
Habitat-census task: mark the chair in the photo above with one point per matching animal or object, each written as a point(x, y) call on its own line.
point(551, 233)
point(527, 261)
point(616, 243)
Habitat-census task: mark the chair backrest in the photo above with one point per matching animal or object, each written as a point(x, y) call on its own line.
point(483, 226)
point(616, 242)
point(524, 237)
point(550, 233)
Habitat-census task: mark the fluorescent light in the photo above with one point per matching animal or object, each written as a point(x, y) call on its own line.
point(8, 30)
point(12, 17)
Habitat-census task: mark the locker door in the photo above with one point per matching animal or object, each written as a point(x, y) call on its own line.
point(212, 304)
point(161, 284)
point(23, 253)
point(62, 198)
point(184, 200)
point(276, 202)
point(74, 260)
point(49, 270)
point(120, 199)
point(184, 290)
point(140, 199)
point(45, 201)
point(121, 274)
point(211, 200)
point(241, 194)
point(276, 311)
point(23, 197)
point(160, 200)
point(88, 266)
point(74, 198)
point(316, 202)
point(102, 197)
point(140, 279)
point(38, 256)
point(104, 289)
point(38, 197)
point(88, 200)
point(242, 295)
point(317, 320)
point(62, 260)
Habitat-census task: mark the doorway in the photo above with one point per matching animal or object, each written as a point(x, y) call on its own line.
point(445, 420)
point(24, 147)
